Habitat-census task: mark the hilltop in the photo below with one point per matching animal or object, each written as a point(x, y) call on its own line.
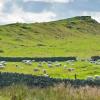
point(77, 36)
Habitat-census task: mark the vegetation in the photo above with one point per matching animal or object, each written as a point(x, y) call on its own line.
point(60, 92)
point(74, 37)
point(78, 36)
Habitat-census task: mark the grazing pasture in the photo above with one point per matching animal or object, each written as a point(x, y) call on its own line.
point(78, 37)
point(67, 69)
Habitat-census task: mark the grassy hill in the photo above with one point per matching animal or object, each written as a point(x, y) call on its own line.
point(78, 36)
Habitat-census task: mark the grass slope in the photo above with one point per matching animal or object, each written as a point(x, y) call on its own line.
point(78, 36)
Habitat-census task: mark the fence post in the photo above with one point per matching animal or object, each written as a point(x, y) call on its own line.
point(75, 76)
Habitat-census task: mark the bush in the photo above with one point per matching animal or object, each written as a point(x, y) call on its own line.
point(95, 58)
point(1, 51)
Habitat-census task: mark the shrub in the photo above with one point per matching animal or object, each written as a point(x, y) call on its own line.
point(1, 51)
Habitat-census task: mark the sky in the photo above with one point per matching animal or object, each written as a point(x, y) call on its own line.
point(30, 11)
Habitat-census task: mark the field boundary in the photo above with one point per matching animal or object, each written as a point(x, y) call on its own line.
point(19, 59)
point(7, 79)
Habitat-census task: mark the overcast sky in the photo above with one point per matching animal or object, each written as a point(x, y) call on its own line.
point(27, 11)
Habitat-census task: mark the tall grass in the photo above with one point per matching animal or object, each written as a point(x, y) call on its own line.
point(59, 92)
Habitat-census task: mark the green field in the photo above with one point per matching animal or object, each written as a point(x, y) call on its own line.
point(79, 36)
point(82, 69)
